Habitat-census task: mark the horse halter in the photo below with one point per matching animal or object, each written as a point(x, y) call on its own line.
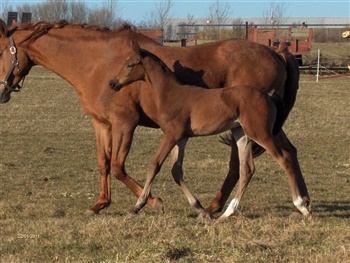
point(15, 63)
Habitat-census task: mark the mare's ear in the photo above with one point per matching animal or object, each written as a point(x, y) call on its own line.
point(3, 28)
point(13, 24)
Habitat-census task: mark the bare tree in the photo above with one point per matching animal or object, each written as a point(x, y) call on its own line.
point(4, 9)
point(78, 12)
point(105, 16)
point(276, 15)
point(159, 17)
point(188, 28)
point(238, 29)
point(218, 15)
point(51, 10)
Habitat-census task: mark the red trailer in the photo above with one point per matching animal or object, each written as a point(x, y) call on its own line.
point(298, 39)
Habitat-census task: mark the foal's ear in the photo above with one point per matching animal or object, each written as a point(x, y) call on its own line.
point(136, 47)
point(3, 28)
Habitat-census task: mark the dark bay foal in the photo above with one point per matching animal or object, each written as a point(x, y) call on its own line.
point(188, 111)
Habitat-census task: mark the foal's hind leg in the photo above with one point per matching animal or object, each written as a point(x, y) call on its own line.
point(302, 200)
point(286, 155)
point(177, 156)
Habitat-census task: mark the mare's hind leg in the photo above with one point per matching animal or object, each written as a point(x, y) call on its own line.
point(247, 168)
point(231, 180)
point(177, 156)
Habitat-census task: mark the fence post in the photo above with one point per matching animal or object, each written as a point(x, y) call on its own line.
point(318, 65)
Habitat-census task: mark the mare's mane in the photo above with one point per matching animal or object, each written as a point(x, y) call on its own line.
point(41, 28)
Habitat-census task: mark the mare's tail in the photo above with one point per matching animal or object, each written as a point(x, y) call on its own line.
point(284, 105)
point(292, 81)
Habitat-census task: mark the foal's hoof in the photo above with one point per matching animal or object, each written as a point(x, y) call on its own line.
point(159, 205)
point(204, 217)
point(130, 215)
point(296, 216)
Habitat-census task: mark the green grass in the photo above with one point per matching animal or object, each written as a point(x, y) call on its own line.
point(49, 177)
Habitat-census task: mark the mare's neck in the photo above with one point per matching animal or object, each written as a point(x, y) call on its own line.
point(80, 57)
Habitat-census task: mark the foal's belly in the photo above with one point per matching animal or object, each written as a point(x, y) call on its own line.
point(211, 127)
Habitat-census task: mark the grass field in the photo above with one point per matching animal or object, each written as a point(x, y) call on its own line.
point(49, 177)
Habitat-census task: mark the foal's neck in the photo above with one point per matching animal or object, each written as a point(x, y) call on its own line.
point(158, 75)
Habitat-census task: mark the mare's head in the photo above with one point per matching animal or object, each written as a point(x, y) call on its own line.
point(131, 71)
point(14, 62)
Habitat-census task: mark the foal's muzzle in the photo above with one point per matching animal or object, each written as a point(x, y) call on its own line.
point(114, 84)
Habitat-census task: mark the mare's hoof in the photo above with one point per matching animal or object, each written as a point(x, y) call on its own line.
point(222, 219)
point(159, 205)
point(130, 215)
point(90, 212)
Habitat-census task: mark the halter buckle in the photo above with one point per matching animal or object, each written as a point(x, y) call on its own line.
point(13, 50)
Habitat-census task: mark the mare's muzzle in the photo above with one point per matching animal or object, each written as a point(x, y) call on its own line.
point(5, 93)
point(5, 96)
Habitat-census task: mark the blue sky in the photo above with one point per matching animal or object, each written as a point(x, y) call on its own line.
point(137, 10)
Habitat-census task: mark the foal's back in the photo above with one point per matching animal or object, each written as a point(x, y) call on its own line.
point(196, 111)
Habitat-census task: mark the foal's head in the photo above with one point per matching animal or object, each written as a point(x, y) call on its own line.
point(131, 71)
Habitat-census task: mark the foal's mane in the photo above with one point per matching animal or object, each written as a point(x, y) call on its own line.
point(145, 53)
point(41, 28)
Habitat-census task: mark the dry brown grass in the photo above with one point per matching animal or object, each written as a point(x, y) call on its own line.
point(49, 177)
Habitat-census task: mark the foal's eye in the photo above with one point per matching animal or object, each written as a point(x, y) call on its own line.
point(130, 65)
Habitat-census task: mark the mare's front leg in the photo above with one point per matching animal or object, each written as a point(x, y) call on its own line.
point(103, 141)
point(121, 145)
point(177, 156)
point(122, 139)
point(167, 143)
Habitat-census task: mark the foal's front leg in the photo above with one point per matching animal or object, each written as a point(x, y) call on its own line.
point(177, 156)
point(167, 143)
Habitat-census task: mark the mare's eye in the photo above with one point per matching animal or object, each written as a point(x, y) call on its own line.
point(130, 65)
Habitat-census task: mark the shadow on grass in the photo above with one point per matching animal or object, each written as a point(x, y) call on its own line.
point(339, 209)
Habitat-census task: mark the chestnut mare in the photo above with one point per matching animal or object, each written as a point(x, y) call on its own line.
point(84, 55)
point(188, 111)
